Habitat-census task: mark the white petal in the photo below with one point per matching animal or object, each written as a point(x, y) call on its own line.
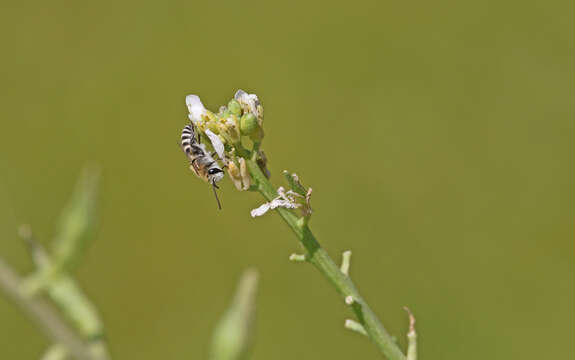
point(240, 94)
point(216, 143)
point(195, 107)
point(261, 210)
point(250, 100)
point(254, 99)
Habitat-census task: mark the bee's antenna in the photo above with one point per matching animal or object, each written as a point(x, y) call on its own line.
point(214, 186)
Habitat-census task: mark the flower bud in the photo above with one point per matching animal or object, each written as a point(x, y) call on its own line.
point(235, 108)
point(249, 102)
point(248, 124)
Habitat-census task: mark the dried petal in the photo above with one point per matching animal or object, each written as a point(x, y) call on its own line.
point(235, 175)
point(284, 200)
point(288, 204)
point(246, 179)
point(260, 210)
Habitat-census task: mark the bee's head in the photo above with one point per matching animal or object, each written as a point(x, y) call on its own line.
point(215, 174)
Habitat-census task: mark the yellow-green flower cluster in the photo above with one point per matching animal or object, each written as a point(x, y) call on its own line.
point(241, 118)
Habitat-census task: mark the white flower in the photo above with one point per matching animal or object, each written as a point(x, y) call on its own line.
point(249, 101)
point(196, 108)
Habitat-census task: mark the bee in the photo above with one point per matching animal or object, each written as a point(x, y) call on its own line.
point(202, 162)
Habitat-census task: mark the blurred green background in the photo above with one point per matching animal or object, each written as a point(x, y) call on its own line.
point(438, 138)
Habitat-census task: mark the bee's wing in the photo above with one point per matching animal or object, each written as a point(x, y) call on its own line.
point(187, 139)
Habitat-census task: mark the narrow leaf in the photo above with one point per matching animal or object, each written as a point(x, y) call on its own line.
point(233, 336)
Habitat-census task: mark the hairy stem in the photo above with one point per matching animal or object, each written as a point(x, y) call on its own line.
point(43, 314)
point(323, 262)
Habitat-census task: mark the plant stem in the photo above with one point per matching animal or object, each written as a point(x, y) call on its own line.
point(44, 315)
point(323, 262)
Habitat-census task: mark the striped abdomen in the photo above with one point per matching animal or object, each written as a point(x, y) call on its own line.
point(190, 144)
point(188, 139)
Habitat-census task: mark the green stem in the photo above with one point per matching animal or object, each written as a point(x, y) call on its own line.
point(43, 314)
point(323, 262)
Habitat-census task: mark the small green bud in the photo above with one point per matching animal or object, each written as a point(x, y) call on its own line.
point(235, 108)
point(225, 114)
point(248, 124)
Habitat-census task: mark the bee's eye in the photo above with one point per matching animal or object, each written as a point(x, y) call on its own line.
point(214, 171)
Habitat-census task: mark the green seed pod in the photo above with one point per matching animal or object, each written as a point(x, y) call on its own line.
point(235, 108)
point(248, 124)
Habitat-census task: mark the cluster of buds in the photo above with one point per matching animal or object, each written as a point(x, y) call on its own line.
point(241, 118)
